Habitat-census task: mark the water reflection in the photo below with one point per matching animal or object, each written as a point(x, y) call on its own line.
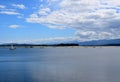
point(60, 65)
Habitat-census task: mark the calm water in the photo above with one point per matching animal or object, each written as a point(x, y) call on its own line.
point(60, 65)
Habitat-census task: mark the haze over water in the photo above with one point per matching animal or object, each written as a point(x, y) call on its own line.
point(60, 65)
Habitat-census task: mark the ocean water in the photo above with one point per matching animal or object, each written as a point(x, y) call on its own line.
point(100, 64)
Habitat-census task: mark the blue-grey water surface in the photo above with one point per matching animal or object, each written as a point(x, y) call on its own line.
point(60, 65)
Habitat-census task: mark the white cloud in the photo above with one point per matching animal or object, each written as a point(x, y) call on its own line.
point(14, 26)
point(9, 13)
point(113, 3)
point(52, 0)
point(95, 19)
point(104, 35)
point(20, 6)
point(84, 34)
point(44, 11)
point(2, 6)
point(96, 35)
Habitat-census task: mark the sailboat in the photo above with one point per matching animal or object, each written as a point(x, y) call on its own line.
point(12, 47)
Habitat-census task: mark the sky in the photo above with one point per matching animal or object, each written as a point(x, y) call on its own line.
point(51, 21)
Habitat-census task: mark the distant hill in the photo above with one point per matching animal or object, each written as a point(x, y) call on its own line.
point(111, 42)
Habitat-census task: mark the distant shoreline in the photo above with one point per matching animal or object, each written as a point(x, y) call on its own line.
point(67, 45)
point(58, 46)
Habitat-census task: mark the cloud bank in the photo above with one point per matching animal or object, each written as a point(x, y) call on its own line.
point(92, 19)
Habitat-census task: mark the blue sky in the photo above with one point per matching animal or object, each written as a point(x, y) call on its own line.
point(42, 21)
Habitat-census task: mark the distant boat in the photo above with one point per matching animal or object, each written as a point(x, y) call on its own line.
point(12, 47)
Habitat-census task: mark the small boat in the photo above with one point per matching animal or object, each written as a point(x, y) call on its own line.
point(12, 47)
